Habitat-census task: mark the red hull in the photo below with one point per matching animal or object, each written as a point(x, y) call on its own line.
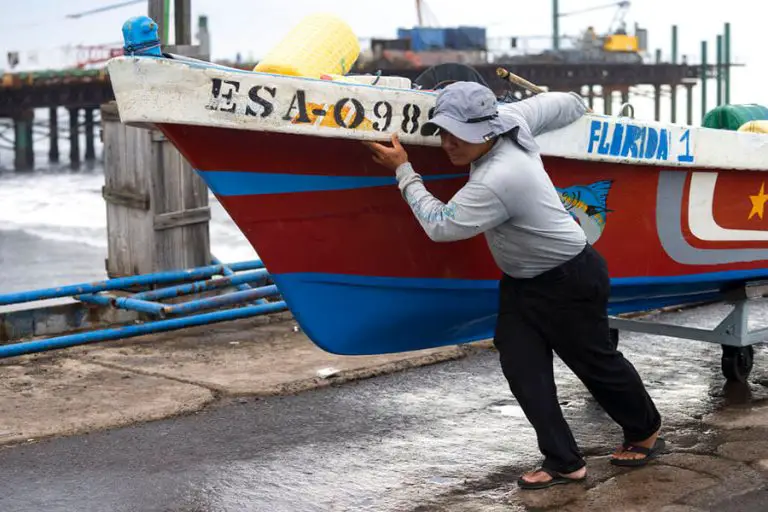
point(370, 231)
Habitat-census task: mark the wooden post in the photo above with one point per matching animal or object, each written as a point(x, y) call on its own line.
point(157, 206)
point(607, 101)
point(673, 97)
point(156, 11)
point(90, 151)
point(673, 103)
point(183, 22)
point(74, 137)
point(703, 78)
point(53, 125)
point(689, 103)
point(23, 140)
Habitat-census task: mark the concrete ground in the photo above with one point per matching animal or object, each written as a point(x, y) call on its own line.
point(439, 433)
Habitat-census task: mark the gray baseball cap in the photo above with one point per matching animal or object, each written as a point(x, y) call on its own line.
point(468, 110)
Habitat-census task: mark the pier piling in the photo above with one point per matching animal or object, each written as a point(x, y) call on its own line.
point(719, 72)
point(74, 137)
point(703, 78)
point(673, 87)
point(689, 103)
point(53, 127)
point(727, 62)
point(90, 152)
point(24, 143)
point(607, 101)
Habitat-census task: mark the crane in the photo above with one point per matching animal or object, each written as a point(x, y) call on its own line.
point(421, 9)
point(617, 38)
point(104, 8)
point(618, 18)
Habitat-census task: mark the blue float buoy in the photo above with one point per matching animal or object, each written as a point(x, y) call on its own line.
point(140, 37)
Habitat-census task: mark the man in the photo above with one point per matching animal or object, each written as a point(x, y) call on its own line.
point(554, 287)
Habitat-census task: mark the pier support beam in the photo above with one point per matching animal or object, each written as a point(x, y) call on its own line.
point(23, 142)
point(689, 106)
point(74, 137)
point(727, 64)
point(673, 87)
point(703, 74)
point(673, 103)
point(90, 152)
point(53, 123)
point(657, 102)
point(719, 72)
point(607, 101)
point(591, 96)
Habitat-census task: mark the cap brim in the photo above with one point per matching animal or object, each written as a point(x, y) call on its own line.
point(475, 133)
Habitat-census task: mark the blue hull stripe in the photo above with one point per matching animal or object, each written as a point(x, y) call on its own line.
point(229, 183)
point(360, 315)
point(708, 277)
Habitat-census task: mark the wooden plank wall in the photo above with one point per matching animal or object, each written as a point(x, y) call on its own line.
point(157, 206)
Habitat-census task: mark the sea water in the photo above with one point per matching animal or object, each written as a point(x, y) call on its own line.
point(53, 225)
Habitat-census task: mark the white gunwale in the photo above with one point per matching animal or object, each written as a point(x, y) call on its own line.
point(152, 90)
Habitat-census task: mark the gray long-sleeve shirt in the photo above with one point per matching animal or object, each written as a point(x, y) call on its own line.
point(509, 197)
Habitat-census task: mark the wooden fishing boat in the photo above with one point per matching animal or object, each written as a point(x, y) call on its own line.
point(679, 212)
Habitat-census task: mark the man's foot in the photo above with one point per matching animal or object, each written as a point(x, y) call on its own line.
point(639, 453)
point(543, 478)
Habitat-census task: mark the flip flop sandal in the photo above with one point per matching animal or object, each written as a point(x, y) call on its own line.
point(556, 479)
point(651, 453)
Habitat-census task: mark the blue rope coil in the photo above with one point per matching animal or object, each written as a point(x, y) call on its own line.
point(140, 47)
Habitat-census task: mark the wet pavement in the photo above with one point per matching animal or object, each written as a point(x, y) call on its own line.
point(447, 437)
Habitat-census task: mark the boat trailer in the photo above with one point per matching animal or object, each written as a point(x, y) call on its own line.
point(732, 333)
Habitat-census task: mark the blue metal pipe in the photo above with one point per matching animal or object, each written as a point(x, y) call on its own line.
point(126, 282)
point(153, 308)
point(71, 340)
point(203, 286)
point(229, 273)
point(241, 265)
point(142, 306)
point(100, 300)
point(221, 300)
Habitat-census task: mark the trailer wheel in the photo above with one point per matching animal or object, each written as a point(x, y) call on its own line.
point(737, 362)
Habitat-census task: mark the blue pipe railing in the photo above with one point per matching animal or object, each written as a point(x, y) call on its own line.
point(221, 300)
point(71, 340)
point(228, 273)
point(147, 302)
point(153, 308)
point(125, 282)
point(205, 286)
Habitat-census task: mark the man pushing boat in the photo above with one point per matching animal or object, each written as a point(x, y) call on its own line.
point(554, 287)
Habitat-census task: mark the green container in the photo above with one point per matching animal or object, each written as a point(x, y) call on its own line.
point(731, 117)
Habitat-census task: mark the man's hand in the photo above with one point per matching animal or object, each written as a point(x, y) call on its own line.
point(390, 157)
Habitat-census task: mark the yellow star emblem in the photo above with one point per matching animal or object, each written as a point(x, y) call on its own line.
point(758, 203)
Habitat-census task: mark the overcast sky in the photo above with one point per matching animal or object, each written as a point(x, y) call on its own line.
point(39, 28)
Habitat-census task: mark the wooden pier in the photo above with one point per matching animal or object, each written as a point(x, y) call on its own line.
point(80, 92)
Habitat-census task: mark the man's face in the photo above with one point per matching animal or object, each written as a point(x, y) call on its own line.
point(461, 152)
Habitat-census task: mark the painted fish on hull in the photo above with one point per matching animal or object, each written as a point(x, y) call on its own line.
point(587, 204)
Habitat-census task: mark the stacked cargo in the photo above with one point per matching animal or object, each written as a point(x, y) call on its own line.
point(424, 39)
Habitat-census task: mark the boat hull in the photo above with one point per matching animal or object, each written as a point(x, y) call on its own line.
point(361, 276)
point(677, 211)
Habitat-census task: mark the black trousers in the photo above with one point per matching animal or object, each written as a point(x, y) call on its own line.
point(565, 310)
